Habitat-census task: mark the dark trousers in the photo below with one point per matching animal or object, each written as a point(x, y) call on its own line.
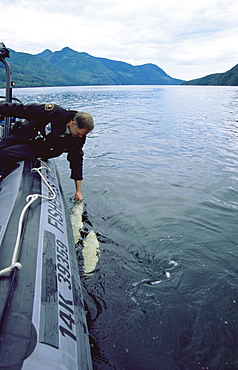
point(14, 149)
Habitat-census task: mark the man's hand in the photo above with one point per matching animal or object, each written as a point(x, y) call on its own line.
point(78, 196)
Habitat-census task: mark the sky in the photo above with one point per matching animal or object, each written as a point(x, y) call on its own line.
point(187, 39)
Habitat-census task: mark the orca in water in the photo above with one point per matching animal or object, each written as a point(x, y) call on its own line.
point(87, 240)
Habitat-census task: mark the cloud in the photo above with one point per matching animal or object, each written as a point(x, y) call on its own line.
point(173, 34)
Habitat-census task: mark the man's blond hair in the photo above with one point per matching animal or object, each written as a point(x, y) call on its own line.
point(84, 120)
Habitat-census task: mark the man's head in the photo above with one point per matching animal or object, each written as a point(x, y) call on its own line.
point(81, 124)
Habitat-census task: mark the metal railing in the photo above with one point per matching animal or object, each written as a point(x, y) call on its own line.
point(5, 53)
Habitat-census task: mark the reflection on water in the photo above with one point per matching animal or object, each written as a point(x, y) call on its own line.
point(161, 194)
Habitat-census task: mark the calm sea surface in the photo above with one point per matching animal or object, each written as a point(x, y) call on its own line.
point(161, 192)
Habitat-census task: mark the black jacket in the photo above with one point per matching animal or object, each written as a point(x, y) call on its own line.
point(45, 126)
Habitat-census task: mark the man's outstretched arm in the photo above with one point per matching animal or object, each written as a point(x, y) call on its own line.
point(78, 194)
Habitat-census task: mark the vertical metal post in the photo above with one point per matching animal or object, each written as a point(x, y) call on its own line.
point(7, 124)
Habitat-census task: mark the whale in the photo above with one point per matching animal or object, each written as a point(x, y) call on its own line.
point(85, 239)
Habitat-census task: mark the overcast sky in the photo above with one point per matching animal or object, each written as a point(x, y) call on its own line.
point(187, 39)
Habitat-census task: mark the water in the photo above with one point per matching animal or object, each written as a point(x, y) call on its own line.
point(161, 193)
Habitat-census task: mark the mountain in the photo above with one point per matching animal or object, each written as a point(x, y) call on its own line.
point(31, 71)
point(89, 70)
point(71, 68)
point(229, 78)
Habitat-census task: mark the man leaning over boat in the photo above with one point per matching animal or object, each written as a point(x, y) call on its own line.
point(47, 131)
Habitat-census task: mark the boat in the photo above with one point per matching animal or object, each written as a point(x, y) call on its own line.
point(42, 317)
